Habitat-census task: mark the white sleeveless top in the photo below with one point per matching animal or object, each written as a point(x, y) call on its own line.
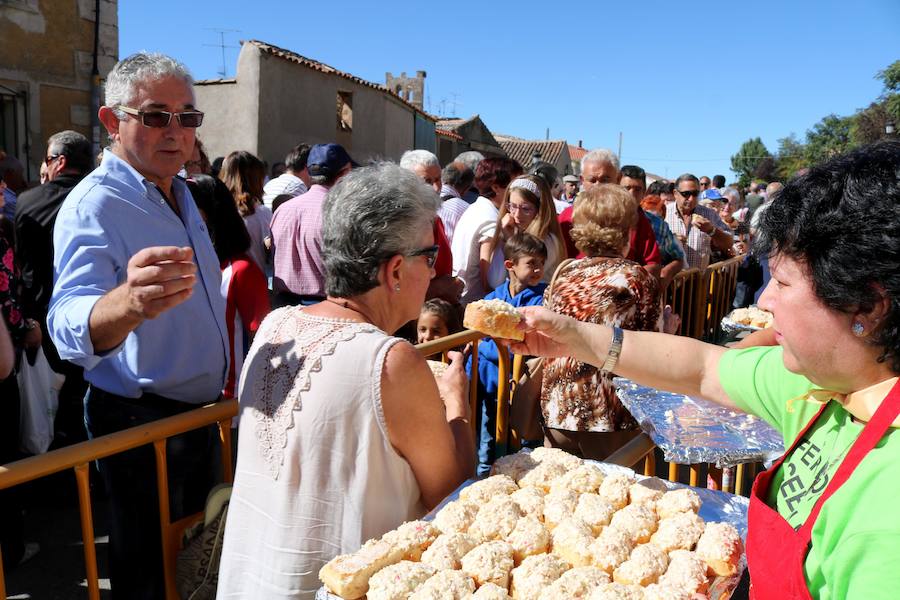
point(316, 473)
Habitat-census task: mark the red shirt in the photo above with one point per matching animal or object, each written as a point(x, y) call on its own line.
point(444, 263)
point(644, 249)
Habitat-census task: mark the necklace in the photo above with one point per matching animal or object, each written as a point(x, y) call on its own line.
point(346, 306)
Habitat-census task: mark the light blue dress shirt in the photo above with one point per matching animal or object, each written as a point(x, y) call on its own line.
point(107, 218)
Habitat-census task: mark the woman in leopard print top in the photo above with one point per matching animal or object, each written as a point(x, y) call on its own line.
point(579, 405)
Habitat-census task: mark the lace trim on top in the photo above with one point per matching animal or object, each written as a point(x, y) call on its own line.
point(292, 350)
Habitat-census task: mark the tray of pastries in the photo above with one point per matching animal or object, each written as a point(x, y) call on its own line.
point(547, 525)
point(751, 318)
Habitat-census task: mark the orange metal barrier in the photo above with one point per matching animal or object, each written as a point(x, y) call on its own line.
point(682, 296)
point(722, 282)
point(79, 456)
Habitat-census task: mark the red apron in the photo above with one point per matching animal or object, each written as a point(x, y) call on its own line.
point(775, 551)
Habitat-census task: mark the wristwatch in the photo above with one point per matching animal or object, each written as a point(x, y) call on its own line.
point(30, 324)
point(615, 349)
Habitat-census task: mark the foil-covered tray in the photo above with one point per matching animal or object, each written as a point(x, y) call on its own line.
point(732, 327)
point(692, 430)
point(716, 507)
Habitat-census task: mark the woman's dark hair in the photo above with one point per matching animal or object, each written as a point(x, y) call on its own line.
point(840, 219)
point(244, 174)
point(545, 171)
point(660, 187)
point(226, 227)
point(446, 311)
point(499, 171)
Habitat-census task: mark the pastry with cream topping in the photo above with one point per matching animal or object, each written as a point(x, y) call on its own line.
point(397, 582)
point(495, 318)
point(534, 574)
point(646, 565)
point(489, 562)
point(445, 585)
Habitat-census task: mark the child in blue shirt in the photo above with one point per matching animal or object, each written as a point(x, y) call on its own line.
point(524, 256)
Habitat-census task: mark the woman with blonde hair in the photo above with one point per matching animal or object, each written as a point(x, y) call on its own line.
point(581, 411)
point(527, 207)
point(244, 174)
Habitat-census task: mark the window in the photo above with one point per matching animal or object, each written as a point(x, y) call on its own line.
point(345, 111)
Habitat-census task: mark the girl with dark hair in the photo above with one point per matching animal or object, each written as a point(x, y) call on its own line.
point(244, 175)
point(823, 520)
point(243, 283)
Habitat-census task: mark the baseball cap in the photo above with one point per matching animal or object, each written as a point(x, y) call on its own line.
point(570, 179)
point(711, 194)
point(327, 159)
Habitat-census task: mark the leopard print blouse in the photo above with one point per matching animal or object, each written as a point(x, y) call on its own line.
point(609, 291)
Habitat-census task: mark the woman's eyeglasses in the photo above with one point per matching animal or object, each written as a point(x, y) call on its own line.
point(525, 209)
point(430, 253)
point(161, 118)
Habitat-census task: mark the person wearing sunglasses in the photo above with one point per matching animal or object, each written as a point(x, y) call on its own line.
point(137, 303)
point(346, 434)
point(699, 229)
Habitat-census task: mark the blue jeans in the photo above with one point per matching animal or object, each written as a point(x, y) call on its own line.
point(193, 460)
point(487, 429)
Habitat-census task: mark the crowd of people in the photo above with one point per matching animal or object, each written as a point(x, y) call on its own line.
point(156, 280)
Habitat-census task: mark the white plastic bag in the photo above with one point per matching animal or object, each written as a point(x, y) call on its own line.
point(39, 387)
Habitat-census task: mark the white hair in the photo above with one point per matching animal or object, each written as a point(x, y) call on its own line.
point(732, 194)
point(418, 158)
point(470, 158)
point(124, 78)
point(601, 155)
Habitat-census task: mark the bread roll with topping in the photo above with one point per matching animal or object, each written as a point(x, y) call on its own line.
point(495, 318)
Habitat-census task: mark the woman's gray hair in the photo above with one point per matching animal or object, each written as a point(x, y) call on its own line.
point(122, 81)
point(418, 158)
point(371, 214)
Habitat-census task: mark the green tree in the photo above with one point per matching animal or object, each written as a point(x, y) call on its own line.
point(748, 158)
point(829, 137)
point(791, 157)
point(890, 76)
point(868, 124)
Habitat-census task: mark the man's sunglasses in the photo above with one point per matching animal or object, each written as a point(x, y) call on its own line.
point(161, 118)
point(430, 253)
point(688, 193)
point(51, 158)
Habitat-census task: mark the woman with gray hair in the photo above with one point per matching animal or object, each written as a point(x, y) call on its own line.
point(345, 433)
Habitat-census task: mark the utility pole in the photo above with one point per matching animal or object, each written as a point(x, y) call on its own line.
point(224, 71)
point(620, 147)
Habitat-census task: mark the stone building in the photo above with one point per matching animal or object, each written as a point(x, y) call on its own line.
point(46, 64)
point(279, 98)
point(411, 89)
point(527, 152)
point(460, 135)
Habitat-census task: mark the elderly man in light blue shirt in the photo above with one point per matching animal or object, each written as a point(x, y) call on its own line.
point(136, 302)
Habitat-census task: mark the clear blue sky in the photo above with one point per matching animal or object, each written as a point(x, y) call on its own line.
point(685, 82)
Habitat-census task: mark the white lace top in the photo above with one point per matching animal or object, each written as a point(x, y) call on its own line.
point(316, 472)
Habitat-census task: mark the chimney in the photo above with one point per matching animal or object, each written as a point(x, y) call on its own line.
point(579, 143)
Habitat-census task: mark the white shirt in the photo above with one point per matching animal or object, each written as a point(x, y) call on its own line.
point(477, 225)
point(283, 184)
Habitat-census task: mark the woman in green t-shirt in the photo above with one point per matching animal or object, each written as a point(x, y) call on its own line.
point(823, 521)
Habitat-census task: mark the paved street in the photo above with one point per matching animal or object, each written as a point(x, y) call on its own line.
point(52, 520)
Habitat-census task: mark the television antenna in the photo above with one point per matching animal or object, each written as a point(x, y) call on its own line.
point(224, 71)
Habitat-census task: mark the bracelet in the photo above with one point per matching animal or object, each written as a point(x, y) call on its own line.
point(615, 349)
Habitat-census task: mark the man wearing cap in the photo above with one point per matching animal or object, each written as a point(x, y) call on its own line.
point(570, 189)
point(299, 271)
